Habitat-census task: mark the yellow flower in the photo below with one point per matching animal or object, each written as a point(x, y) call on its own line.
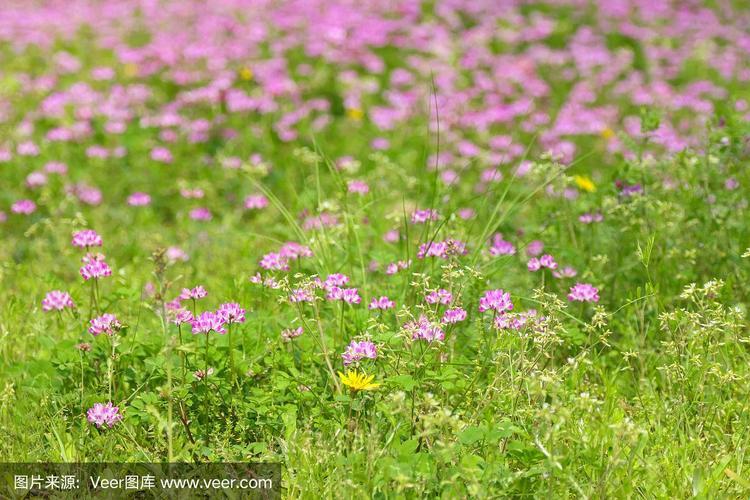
point(358, 381)
point(131, 70)
point(355, 113)
point(585, 183)
point(607, 133)
point(246, 74)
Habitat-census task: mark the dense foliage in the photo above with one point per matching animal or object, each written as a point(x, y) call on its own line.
point(457, 248)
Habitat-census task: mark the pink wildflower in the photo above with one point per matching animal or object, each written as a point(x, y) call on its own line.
point(495, 300)
point(86, 238)
point(57, 301)
point(382, 303)
point(106, 323)
point(583, 292)
point(102, 415)
point(356, 351)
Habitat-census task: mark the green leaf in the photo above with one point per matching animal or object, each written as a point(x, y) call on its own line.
point(471, 435)
point(405, 382)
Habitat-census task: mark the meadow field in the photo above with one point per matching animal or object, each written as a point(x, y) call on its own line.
point(403, 248)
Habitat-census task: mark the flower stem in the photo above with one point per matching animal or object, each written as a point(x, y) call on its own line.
point(206, 395)
point(232, 376)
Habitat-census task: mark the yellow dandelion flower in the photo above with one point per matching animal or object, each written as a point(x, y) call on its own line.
point(246, 74)
point(355, 113)
point(585, 183)
point(131, 70)
point(607, 133)
point(358, 381)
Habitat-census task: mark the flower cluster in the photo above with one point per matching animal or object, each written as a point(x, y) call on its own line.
point(382, 303)
point(517, 321)
point(57, 300)
point(106, 323)
point(208, 321)
point(495, 300)
point(454, 315)
point(291, 333)
point(442, 249)
point(546, 260)
point(441, 296)
point(501, 247)
point(95, 268)
point(195, 293)
point(86, 238)
point(104, 415)
point(348, 295)
point(356, 351)
point(424, 329)
point(583, 292)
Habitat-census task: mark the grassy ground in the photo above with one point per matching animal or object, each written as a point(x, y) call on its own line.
point(638, 392)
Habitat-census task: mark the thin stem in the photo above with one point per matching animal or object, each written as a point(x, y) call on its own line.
point(232, 376)
point(111, 365)
point(205, 395)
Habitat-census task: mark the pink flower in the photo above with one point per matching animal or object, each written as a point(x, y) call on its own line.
point(583, 292)
point(422, 216)
point(201, 214)
point(391, 236)
point(57, 301)
point(161, 154)
point(102, 415)
point(356, 351)
point(335, 280)
point(36, 179)
point(589, 218)
point(424, 329)
point(534, 248)
point(256, 202)
point(495, 300)
point(501, 247)
point(56, 167)
point(193, 293)
point(517, 321)
point(439, 297)
point(208, 321)
point(86, 238)
point(731, 184)
point(548, 261)
point(466, 213)
point(348, 295)
point(301, 295)
point(196, 193)
point(201, 374)
point(139, 199)
point(454, 315)
point(395, 267)
point(358, 187)
point(565, 272)
point(106, 323)
point(95, 269)
point(27, 148)
point(293, 250)
point(181, 316)
point(442, 249)
point(274, 262)
point(86, 194)
point(382, 303)
point(231, 312)
point(24, 207)
point(176, 253)
point(290, 334)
